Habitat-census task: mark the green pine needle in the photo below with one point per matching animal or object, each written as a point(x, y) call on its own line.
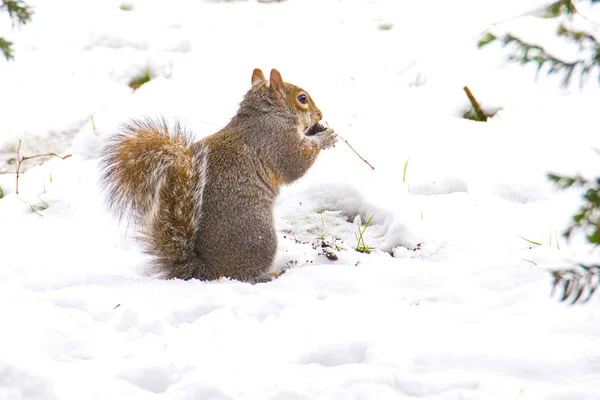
point(6, 49)
point(486, 39)
point(558, 8)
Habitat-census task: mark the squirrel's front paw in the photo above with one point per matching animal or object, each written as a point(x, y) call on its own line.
point(327, 138)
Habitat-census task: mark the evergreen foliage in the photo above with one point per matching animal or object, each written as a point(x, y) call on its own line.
point(583, 279)
point(578, 284)
point(20, 14)
point(587, 217)
point(528, 53)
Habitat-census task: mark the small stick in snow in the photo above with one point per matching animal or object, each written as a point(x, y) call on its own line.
point(359, 156)
point(478, 112)
point(25, 158)
point(355, 152)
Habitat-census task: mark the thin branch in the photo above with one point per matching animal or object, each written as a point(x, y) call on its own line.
point(591, 22)
point(533, 12)
point(503, 21)
point(355, 152)
point(25, 158)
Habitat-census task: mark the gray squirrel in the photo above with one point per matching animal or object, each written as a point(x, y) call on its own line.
point(205, 209)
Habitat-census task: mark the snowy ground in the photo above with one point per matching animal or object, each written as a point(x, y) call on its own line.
point(453, 303)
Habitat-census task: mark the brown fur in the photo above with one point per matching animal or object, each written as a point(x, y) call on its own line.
point(205, 209)
point(151, 174)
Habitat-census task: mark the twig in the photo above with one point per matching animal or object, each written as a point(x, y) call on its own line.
point(536, 11)
point(355, 152)
point(525, 14)
point(25, 158)
point(592, 22)
point(480, 115)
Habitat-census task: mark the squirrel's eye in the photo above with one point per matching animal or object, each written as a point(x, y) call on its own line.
point(303, 99)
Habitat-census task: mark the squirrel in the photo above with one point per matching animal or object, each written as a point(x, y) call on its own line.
point(204, 209)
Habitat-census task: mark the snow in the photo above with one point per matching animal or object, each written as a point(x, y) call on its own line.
point(454, 301)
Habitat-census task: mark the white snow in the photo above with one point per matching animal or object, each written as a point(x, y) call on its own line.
point(453, 303)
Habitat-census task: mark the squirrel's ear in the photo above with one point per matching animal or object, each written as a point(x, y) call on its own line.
point(257, 76)
point(275, 79)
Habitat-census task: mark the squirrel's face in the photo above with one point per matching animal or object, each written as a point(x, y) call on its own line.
point(293, 99)
point(305, 109)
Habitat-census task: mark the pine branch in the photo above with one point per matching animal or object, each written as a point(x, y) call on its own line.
point(565, 182)
point(578, 284)
point(18, 11)
point(20, 14)
point(526, 53)
point(558, 8)
point(6, 49)
point(586, 42)
point(579, 37)
point(587, 218)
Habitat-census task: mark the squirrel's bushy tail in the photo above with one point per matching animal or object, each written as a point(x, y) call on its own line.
point(149, 167)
